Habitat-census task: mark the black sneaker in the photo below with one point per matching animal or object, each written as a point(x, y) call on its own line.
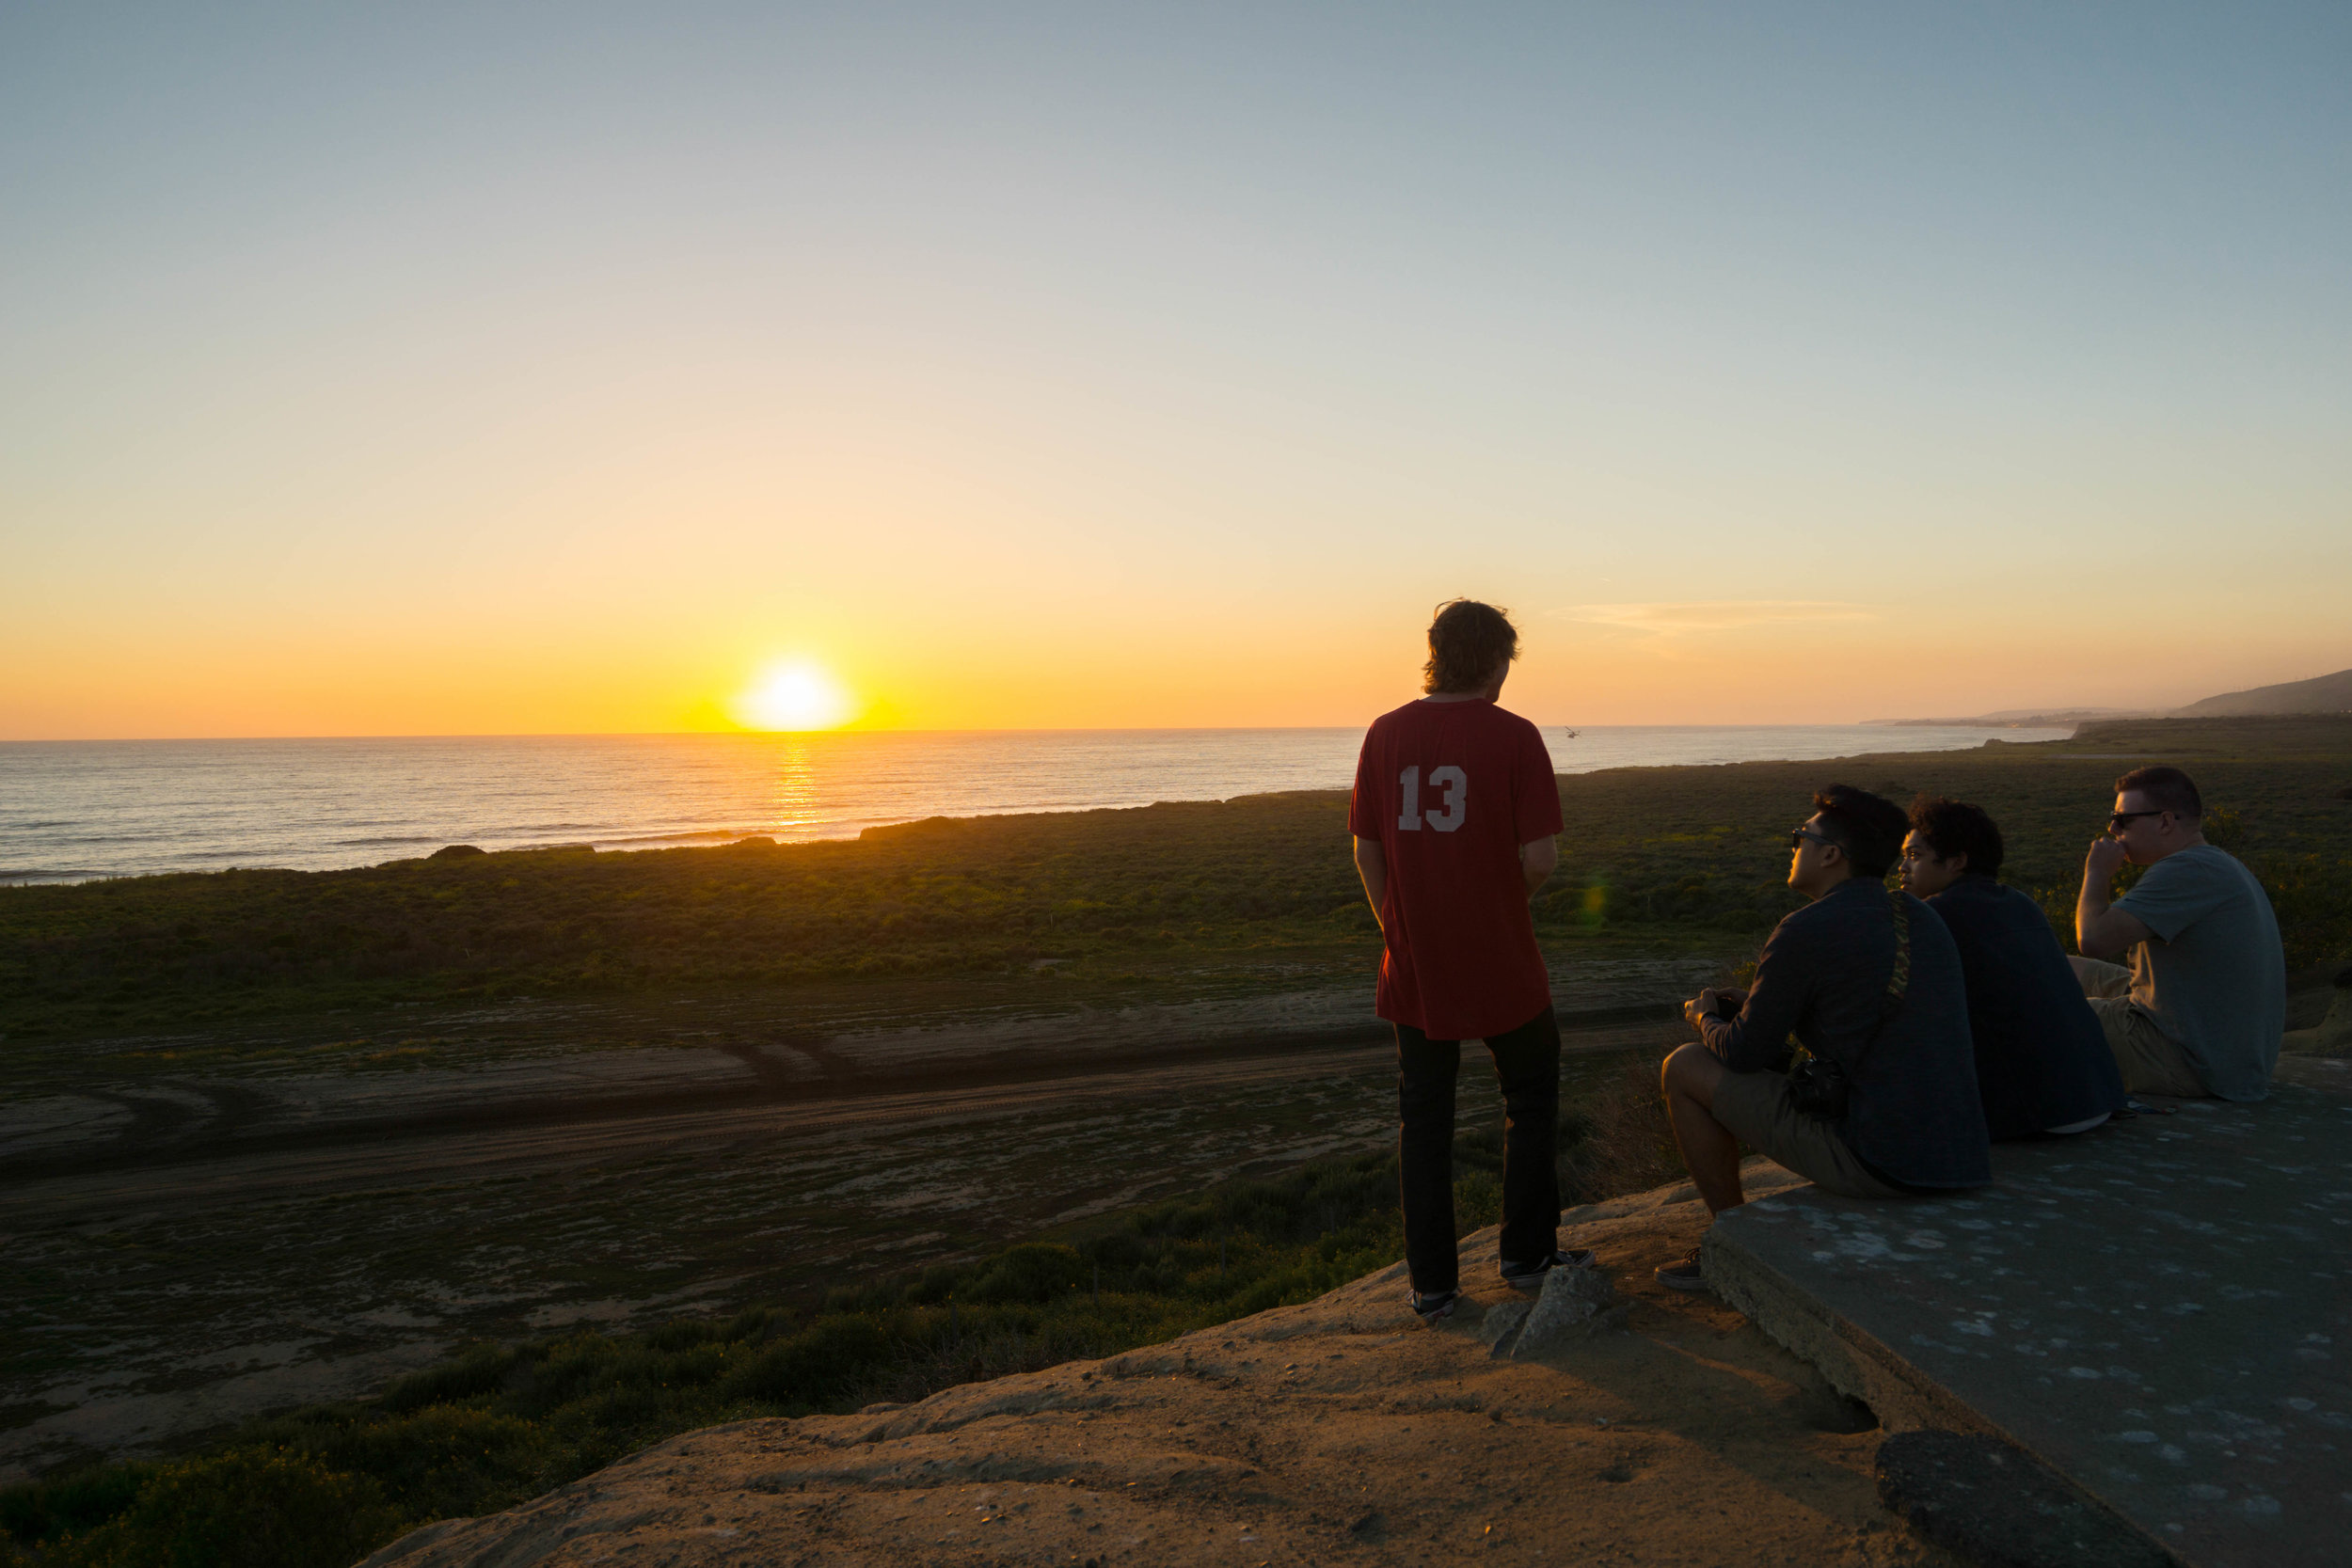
point(1684, 1275)
point(1530, 1276)
point(1436, 1304)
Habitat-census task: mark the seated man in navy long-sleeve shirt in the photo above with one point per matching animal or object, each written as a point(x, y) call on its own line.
point(2043, 1062)
point(1863, 978)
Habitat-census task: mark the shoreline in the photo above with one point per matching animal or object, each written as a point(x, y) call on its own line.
point(1173, 778)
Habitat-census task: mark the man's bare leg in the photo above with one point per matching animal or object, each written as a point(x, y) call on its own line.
point(1690, 1079)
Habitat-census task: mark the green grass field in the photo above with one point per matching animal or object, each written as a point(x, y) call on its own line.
point(1142, 899)
point(1706, 847)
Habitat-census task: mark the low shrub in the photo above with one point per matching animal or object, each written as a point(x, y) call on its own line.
point(248, 1507)
point(824, 1361)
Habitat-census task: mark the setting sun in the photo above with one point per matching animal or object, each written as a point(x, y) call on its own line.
point(795, 696)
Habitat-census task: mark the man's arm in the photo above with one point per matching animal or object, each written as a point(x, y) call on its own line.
point(1539, 859)
point(1758, 1038)
point(1372, 865)
point(2101, 931)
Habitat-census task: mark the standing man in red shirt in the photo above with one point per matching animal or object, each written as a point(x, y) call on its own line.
point(1453, 813)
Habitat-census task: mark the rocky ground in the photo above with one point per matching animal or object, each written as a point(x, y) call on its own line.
point(1338, 1432)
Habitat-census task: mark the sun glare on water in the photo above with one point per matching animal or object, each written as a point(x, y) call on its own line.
point(796, 696)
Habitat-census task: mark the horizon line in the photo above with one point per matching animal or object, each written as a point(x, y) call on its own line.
point(1035, 729)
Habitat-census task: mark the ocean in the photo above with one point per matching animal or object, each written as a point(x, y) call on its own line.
point(70, 811)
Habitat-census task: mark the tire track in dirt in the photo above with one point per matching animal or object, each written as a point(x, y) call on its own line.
point(546, 1138)
point(432, 1156)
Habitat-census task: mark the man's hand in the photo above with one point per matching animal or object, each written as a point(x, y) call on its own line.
point(2101, 932)
point(1709, 1003)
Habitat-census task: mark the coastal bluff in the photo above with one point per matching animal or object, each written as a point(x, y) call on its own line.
point(2126, 1353)
point(1337, 1431)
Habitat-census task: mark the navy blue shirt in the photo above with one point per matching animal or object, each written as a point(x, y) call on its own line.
point(1911, 1109)
point(2042, 1059)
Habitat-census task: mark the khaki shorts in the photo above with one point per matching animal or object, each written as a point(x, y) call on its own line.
point(2151, 1061)
point(1758, 1111)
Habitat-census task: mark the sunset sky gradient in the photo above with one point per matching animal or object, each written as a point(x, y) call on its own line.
point(560, 369)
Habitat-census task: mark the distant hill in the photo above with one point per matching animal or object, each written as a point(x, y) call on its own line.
point(2323, 695)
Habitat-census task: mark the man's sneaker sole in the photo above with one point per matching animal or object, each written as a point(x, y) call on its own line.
point(1568, 1258)
point(1681, 1276)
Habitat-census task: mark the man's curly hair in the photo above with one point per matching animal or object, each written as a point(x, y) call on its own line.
point(1467, 640)
point(1956, 828)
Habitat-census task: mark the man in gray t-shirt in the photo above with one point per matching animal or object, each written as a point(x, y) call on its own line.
point(2201, 1007)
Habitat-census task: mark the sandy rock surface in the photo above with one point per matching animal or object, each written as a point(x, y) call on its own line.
point(1341, 1431)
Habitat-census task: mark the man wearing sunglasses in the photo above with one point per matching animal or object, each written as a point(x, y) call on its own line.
point(2200, 1003)
point(1865, 979)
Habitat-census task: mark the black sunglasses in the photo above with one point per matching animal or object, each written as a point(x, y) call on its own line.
point(2122, 816)
point(1798, 836)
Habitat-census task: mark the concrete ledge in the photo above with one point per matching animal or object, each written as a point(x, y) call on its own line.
point(1855, 1362)
point(2159, 1310)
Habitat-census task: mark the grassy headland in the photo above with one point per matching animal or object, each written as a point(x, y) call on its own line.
point(1155, 903)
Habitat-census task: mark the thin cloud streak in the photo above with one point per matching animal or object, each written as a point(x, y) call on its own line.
point(1715, 615)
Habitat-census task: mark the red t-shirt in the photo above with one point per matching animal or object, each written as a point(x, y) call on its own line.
point(1451, 790)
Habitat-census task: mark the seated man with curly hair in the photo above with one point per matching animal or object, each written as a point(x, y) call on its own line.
point(2043, 1063)
point(1870, 984)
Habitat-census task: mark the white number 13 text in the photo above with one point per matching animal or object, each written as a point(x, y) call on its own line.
point(1455, 807)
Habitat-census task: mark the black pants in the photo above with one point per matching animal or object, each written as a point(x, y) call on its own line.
point(1527, 1062)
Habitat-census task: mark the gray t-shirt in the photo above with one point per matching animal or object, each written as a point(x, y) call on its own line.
point(2213, 977)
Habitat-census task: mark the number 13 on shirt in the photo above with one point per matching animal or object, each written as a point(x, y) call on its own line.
point(1454, 800)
